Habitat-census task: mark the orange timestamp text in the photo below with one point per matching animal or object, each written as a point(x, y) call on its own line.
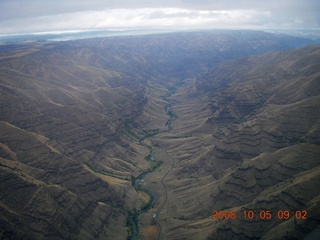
point(260, 215)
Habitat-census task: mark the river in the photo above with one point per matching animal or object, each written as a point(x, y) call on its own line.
point(133, 217)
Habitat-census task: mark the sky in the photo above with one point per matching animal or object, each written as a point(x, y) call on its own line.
point(38, 16)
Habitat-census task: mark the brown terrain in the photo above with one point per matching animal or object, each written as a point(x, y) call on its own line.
point(253, 145)
point(80, 120)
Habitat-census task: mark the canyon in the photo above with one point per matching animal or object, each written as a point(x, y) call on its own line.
point(143, 137)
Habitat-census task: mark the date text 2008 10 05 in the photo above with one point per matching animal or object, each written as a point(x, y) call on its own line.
point(262, 214)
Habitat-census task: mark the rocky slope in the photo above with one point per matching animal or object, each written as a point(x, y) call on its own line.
point(256, 147)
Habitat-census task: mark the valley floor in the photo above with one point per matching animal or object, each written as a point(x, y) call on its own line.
point(179, 141)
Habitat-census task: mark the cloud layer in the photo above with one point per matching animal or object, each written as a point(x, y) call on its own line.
point(21, 16)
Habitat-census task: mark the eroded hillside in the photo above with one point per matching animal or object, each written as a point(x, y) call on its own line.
point(254, 146)
point(78, 120)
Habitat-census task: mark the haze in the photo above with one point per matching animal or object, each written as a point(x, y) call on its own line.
point(35, 16)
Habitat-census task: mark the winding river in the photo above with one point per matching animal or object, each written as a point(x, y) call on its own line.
point(133, 218)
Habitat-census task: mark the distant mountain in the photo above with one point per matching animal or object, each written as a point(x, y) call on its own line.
point(74, 116)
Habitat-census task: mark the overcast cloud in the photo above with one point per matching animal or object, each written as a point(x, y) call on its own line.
point(29, 16)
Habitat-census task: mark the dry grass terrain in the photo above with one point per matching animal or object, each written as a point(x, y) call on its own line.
point(245, 139)
point(78, 121)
